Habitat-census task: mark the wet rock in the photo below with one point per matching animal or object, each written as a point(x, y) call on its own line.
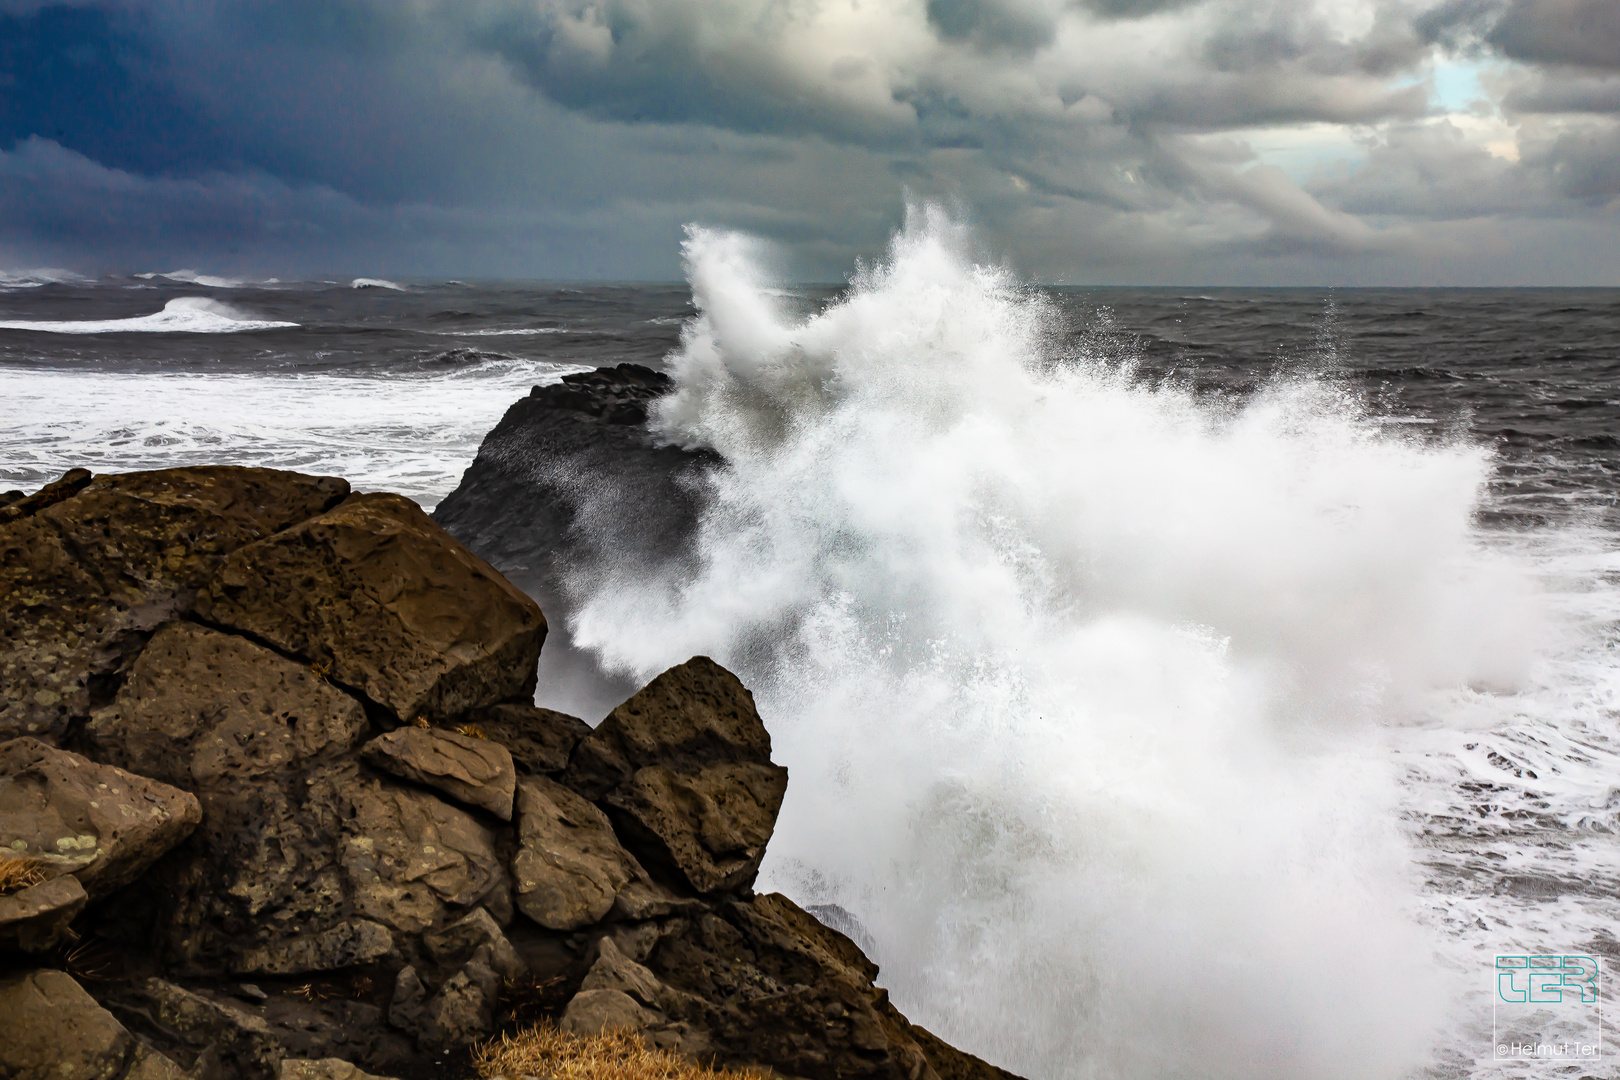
point(540, 740)
point(771, 985)
point(382, 600)
point(684, 770)
point(574, 453)
point(591, 1012)
point(20, 506)
point(85, 579)
point(458, 942)
point(464, 1008)
point(472, 770)
point(101, 824)
point(37, 918)
point(56, 1031)
point(570, 866)
point(206, 710)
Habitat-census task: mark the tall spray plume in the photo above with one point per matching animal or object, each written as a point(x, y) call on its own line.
point(1080, 679)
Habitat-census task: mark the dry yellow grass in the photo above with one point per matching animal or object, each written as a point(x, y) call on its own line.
point(544, 1051)
point(472, 731)
point(19, 872)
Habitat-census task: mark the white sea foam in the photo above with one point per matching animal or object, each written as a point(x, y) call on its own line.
point(375, 283)
point(1101, 703)
point(191, 277)
point(414, 433)
point(185, 315)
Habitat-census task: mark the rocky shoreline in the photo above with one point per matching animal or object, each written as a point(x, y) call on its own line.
point(275, 802)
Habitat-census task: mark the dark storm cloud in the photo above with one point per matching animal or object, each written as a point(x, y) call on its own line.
point(573, 137)
point(1579, 32)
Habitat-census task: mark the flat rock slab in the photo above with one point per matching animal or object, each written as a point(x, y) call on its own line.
point(475, 771)
point(570, 866)
point(84, 577)
point(381, 599)
point(98, 822)
point(203, 709)
point(684, 770)
point(56, 1031)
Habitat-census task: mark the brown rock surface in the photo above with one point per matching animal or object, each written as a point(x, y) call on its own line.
point(540, 740)
point(205, 710)
point(101, 824)
point(383, 600)
point(36, 918)
point(569, 867)
point(684, 770)
point(56, 1031)
point(475, 771)
point(85, 578)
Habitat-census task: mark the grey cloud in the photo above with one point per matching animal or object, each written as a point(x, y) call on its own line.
point(1559, 92)
point(994, 24)
point(1578, 32)
point(1430, 172)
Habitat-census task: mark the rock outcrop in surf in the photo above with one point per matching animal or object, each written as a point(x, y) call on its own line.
point(570, 469)
point(275, 802)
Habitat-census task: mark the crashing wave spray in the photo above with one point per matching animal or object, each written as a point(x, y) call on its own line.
point(1079, 679)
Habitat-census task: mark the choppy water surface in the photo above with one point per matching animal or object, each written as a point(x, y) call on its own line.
point(1201, 683)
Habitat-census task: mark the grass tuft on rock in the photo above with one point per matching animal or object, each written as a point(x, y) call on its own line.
point(19, 872)
point(544, 1051)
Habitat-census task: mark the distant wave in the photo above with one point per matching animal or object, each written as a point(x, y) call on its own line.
point(191, 277)
point(33, 279)
point(375, 283)
point(187, 315)
point(508, 333)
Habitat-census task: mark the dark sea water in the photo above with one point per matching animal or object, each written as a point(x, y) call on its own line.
point(1507, 798)
point(1534, 373)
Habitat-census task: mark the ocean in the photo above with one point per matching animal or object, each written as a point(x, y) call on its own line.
point(1174, 682)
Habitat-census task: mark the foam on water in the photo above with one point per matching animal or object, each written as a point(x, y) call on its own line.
point(185, 315)
point(410, 433)
point(1125, 723)
point(375, 283)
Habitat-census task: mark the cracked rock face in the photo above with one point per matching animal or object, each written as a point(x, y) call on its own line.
point(56, 1031)
point(84, 578)
point(99, 823)
point(380, 599)
point(684, 770)
point(224, 657)
point(205, 710)
point(475, 771)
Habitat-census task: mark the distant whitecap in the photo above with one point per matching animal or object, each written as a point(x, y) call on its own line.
point(375, 283)
point(191, 277)
point(186, 315)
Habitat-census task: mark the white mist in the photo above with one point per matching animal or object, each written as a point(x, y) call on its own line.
point(1081, 681)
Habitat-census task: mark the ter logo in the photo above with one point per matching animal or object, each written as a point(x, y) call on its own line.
point(1544, 980)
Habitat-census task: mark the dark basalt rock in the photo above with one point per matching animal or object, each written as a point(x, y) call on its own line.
point(241, 646)
point(570, 466)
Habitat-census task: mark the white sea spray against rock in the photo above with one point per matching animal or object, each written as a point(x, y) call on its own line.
point(1081, 680)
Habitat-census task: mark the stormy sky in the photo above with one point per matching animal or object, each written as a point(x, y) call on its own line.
point(1401, 142)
